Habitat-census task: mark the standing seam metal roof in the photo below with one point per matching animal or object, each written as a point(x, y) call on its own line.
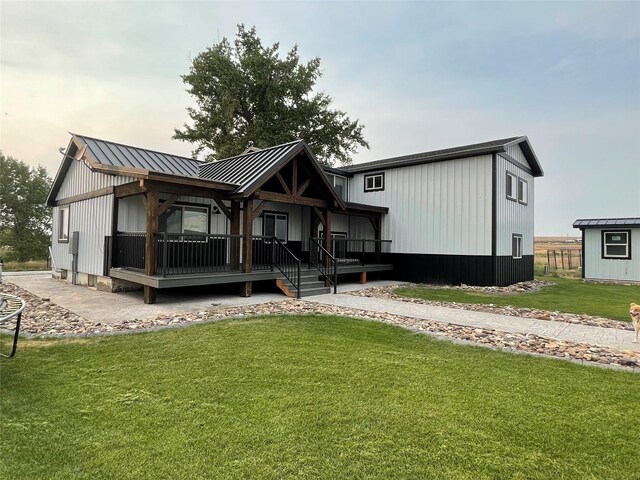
point(244, 170)
point(119, 155)
point(606, 222)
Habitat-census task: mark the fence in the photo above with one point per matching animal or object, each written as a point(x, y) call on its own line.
point(570, 258)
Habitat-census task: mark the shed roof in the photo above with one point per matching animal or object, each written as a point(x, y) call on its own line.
point(493, 146)
point(607, 222)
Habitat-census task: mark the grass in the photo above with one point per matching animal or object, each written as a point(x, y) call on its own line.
point(567, 295)
point(38, 265)
point(308, 397)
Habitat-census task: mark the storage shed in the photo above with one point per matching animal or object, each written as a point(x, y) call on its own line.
point(610, 248)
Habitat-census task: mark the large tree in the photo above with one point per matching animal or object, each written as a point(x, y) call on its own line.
point(248, 93)
point(25, 220)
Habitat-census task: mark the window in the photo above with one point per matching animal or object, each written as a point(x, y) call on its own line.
point(275, 225)
point(616, 244)
point(511, 186)
point(523, 191)
point(63, 224)
point(339, 183)
point(184, 219)
point(374, 182)
point(516, 246)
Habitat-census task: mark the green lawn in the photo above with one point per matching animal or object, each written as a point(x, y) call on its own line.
point(568, 295)
point(308, 397)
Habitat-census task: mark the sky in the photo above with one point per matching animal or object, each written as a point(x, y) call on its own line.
point(419, 75)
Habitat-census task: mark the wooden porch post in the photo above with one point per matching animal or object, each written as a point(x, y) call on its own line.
point(151, 204)
point(247, 254)
point(234, 250)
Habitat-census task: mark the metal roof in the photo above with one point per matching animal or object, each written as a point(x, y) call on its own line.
point(119, 155)
point(249, 168)
point(451, 153)
point(606, 222)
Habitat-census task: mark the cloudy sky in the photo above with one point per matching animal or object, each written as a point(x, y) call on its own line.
point(420, 76)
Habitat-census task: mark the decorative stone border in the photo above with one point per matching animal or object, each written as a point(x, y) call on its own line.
point(388, 292)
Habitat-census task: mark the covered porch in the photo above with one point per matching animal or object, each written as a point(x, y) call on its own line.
point(284, 223)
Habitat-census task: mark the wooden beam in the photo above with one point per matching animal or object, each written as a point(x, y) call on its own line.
point(304, 186)
point(283, 183)
point(129, 189)
point(294, 175)
point(222, 206)
point(247, 254)
point(258, 210)
point(281, 197)
point(327, 241)
point(319, 215)
point(101, 192)
point(234, 249)
point(193, 191)
point(167, 203)
point(151, 205)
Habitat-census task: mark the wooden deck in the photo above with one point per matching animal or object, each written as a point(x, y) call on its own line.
point(213, 278)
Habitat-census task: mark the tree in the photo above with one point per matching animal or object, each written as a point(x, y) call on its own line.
point(247, 93)
point(25, 220)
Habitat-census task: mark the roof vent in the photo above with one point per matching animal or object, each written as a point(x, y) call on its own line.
point(250, 148)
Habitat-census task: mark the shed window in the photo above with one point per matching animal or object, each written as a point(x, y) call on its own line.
point(616, 244)
point(184, 219)
point(63, 224)
point(374, 182)
point(516, 246)
point(523, 191)
point(275, 225)
point(511, 186)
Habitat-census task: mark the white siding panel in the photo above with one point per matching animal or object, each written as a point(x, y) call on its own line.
point(92, 219)
point(80, 179)
point(295, 223)
point(515, 152)
point(513, 217)
point(598, 268)
point(435, 208)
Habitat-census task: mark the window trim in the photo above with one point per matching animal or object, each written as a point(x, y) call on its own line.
point(514, 190)
point(60, 210)
point(513, 254)
point(603, 245)
point(332, 180)
point(274, 212)
point(374, 175)
point(526, 199)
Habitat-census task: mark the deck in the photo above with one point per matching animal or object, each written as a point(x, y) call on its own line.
point(222, 277)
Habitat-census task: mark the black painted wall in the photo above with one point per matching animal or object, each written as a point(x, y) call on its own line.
point(457, 269)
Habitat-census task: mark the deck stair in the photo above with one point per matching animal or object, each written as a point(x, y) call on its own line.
point(309, 285)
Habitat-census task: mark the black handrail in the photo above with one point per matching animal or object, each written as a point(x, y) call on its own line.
point(324, 262)
point(284, 260)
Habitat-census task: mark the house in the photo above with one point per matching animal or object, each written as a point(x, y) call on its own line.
point(126, 216)
point(610, 249)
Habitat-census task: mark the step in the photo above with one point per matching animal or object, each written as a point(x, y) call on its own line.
point(315, 291)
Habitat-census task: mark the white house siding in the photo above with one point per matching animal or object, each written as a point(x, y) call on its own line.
point(92, 219)
point(80, 179)
point(515, 152)
point(295, 223)
point(598, 268)
point(439, 208)
point(513, 217)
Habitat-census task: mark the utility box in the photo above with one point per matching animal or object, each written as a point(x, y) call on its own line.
point(73, 243)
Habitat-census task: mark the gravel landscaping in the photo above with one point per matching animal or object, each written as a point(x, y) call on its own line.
point(387, 292)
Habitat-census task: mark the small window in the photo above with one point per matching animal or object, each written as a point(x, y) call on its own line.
point(616, 244)
point(275, 225)
point(511, 186)
point(516, 246)
point(374, 182)
point(63, 222)
point(523, 191)
point(339, 183)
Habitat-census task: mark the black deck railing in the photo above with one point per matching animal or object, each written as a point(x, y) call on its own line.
point(128, 250)
point(357, 251)
point(324, 262)
point(286, 262)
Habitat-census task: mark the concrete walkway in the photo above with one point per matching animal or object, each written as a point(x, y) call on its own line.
point(606, 337)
